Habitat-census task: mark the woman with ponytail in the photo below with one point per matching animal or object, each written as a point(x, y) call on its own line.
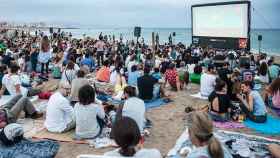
point(201, 135)
point(127, 136)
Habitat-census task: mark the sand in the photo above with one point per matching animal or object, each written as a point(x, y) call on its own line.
point(168, 124)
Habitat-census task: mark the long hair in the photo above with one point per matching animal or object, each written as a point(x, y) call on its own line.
point(275, 86)
point(201, 128)
point(263, 69)
point(45, 44)
point(127, 135)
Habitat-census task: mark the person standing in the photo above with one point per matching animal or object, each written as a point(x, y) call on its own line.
point(44, 56)
point(100, 46)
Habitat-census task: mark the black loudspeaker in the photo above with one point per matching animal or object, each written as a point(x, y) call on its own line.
point(59, 30)
point(137, 31)
point(174, 34)
point(51, 30)
point(259, 37)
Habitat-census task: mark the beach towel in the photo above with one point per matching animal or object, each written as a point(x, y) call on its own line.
point(238, 144)
point(101, 142)
point(61, 137)
point(30, 149)
point(156, 103)
point(270, 127)
point(198, 95)
point(228, 125)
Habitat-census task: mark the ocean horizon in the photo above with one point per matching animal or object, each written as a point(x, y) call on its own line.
point(270, 43)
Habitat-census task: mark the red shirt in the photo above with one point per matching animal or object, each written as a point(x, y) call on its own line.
point(171, 76)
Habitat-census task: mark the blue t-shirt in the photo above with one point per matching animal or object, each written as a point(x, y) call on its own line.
point(274, 71)
point(132, 78)
point(88, 62)
point(157, 75)
point(259, 108)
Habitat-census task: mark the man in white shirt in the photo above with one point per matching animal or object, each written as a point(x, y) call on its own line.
point(207, 81)
point(60, 114)
point(12, 83)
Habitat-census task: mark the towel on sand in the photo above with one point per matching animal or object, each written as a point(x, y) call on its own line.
point(156, 103)
point(228, 125)
point(270, 127)
point(30, 149)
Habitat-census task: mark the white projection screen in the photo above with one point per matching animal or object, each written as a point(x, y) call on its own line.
point(221, 20)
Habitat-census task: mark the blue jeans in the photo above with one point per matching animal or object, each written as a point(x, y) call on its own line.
point(219, 118)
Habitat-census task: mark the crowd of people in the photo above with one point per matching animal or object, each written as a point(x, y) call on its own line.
point(232, 81)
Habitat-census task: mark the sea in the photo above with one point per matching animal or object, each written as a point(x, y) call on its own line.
point(270, 43)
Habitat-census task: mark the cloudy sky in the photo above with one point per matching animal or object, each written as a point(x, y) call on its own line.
point(123, 13)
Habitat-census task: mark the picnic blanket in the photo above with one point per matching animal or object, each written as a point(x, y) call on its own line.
point(62, 137)
point(270, 127)
point(239, 145)
point(156, 103)
point(30, 149)
point(199, 96)
point(228, 125)
point(101, 142)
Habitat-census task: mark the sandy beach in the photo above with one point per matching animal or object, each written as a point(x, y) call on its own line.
point(168, 124)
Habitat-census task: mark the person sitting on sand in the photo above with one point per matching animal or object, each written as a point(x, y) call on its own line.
point(207, 81)
point(76, 84)
point(89, 115)
point(88, 62)
point(127, 136)
point(69, 74)
point(133, 76)
point(183, 75)
point(12, 83)
point(219, 102)
point(246, 73)
point(133, 107)
point(103, 74)
point(10, 112)
point(172, 77)
point(263, 73)
point(201, 135)
point(59, 113)
point(274, 70)
point(273, 94)
point(252, 103)
point(148, 86)
point(195, 77)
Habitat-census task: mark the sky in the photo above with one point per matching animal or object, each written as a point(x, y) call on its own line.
point(124, 13)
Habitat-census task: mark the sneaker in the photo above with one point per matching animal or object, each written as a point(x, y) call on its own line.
point(36, 115)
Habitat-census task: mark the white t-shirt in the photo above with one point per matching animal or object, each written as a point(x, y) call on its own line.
point(86, 119)
point(135, 109)
point(10, 81)
point(59, 113)
point(143, 153)
point(207, 83)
